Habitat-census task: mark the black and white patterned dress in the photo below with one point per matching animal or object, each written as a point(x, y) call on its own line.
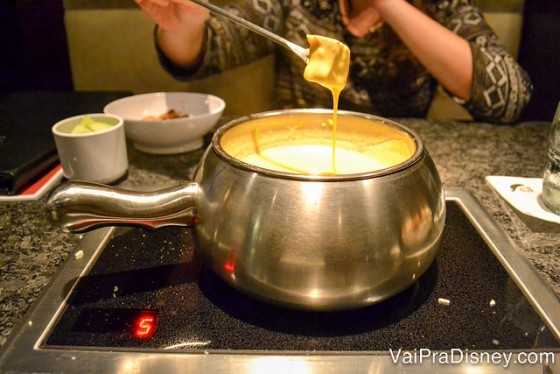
point(385, 77)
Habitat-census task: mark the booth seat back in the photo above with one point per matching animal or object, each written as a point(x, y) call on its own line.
point(111, 47)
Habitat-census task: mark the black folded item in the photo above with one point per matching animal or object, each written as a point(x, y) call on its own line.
point(27, 147)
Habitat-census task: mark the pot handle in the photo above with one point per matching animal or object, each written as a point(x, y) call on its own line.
point(78, 206)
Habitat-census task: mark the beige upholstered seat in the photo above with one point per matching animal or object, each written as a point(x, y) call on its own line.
point(111, 48)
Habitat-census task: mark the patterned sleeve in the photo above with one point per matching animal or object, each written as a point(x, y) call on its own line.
point(229, 45)
point(501, 88)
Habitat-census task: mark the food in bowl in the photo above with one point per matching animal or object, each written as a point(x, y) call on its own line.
point(173, 135)
point(88, 125)
point(91, 147)
point(170, 114)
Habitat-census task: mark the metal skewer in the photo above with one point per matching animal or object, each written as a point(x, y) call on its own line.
point(300, 51)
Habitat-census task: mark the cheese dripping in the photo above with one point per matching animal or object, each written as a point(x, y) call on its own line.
point(328, 65)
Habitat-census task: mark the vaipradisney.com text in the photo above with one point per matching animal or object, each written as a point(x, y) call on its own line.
point(459, 356)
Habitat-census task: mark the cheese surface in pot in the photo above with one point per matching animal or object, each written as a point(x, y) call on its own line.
point(300, 142)
point(313, 159)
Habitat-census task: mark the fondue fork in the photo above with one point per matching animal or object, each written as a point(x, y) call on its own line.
point(301, 52)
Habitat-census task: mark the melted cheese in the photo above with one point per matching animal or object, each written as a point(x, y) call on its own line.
point(314, 160)
point(328, 65)
point(329, 62)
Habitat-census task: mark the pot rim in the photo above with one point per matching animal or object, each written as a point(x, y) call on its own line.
point(222, 154)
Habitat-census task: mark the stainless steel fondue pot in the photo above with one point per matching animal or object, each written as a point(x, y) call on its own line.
point(314, 242)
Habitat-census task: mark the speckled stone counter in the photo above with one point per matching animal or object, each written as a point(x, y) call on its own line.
point(31, 249)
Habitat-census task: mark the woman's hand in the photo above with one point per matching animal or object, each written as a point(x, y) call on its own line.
point(359, 16)
point(181, 31)
point(174, 15)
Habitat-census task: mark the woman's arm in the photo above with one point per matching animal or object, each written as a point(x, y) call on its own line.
point(191, 44)
point(181, 29)
point(477, 69)
point(446, 55)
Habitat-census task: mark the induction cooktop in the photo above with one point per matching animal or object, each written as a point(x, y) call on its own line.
point(132, 299)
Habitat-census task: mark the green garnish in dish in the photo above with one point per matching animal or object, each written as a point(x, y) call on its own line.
point(89, 125)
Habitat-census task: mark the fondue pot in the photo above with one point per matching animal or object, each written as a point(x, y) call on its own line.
point(314, 242)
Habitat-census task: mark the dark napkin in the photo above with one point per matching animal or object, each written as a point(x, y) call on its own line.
point(27, 147)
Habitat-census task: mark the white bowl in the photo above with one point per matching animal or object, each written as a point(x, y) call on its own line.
point(168, 136)
point(98, 156)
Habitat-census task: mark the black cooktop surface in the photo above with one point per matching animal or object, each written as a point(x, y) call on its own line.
point(149, 290)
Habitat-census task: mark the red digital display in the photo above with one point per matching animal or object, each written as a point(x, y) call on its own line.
point(145, 325)
point(229, 266)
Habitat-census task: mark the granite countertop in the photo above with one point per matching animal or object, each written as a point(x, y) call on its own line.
point(31, 249)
